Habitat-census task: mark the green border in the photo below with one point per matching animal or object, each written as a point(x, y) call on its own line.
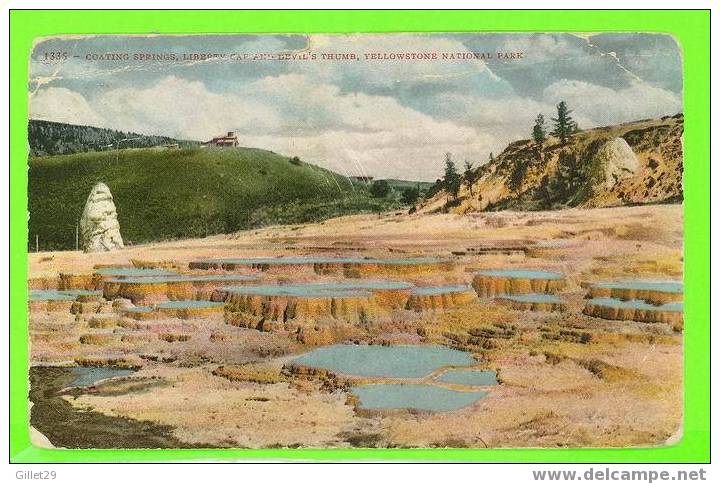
point(690, 28)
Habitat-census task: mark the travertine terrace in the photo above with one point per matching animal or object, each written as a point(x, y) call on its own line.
point(206, 327)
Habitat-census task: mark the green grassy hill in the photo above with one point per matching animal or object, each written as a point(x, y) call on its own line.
point(164, 194)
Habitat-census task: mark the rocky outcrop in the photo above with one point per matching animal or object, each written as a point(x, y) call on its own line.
point(615, 160)
point(99, 226)
point(632, 163)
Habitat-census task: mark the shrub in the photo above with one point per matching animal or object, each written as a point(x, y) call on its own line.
point(380, 189)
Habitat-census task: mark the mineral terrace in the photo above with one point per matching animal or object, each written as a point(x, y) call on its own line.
point(211, 336)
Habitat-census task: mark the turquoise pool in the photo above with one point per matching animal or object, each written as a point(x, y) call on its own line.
point(60, 294)
point(323, 260)
point(134, 272)
point(469, 377)
point(442, 289)
point(414, 396)
point(635, 304)
point(667, 286)
point(87, 376)
point(403, 361)
point(175, 278)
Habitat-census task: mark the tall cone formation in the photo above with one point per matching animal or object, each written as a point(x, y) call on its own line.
point(99, 227)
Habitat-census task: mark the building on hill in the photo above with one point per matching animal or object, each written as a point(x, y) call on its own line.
point(362, 179)
point(228, 141)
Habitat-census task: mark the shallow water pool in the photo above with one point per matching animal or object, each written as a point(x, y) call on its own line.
point(635, 304)
point(469, 377)
point(134, 272)
point(87, 376)
point(403, 361)
point(414, 396)
point(658, 286)
point(439, 290)
point(327, 260)
point(60, 294)
point(175, 278)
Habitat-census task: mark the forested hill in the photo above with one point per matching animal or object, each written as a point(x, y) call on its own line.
point(50, 138)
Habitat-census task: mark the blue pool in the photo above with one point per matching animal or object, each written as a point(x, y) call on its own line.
point(404, 361)
point(439, 290)
point(469, 377)
point(669, 287)
point(87, 376)
point(134, 272)
point(60, 294)
point(322, 260)
point(175, 278)
point(635, 304)
point(414, 396)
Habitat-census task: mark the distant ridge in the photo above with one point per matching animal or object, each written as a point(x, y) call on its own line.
point(49, 138)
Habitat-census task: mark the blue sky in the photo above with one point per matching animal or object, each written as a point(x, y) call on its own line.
point(380, 118)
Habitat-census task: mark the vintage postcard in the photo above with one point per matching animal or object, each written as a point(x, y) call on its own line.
point(451, 240)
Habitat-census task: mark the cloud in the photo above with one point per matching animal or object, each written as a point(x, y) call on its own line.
point(602, 105)
point(62, 105)
point(181, 108)
point(384, 118)
point(353, 133)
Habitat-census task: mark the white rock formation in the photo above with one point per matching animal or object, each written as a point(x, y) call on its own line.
point(99, 227)
point(616, 160)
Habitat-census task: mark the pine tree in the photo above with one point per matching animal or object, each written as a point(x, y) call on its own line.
point(451, 180)
point(518, 175)
point(564, 124)
point(469, 176)
point(538, 132)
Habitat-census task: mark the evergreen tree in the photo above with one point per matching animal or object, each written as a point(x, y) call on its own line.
point(518, 175)
point(564, 124)
point(470, 176)
point(380, 188)
point(410, 195)
point(451, 180)
point(538, 132)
